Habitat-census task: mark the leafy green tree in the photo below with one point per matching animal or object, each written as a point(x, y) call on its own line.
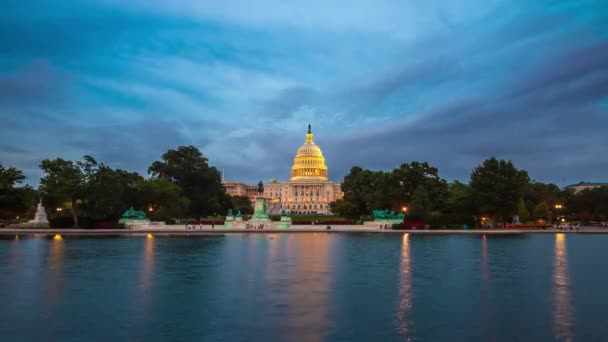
point(15, 200)
point(242, 204)
point(346, 209)
point(538, 192)
point(421, 204)
point(542, 212)
point(406, 179)
point(359, 187)
point(63, 181)
point(108, 192)
point(460, 204)
point(201, 184)
point(9, 177)
point(522, 211)
point(161, 199)
point(366, 190)
point(588, 205)
point(497, 186)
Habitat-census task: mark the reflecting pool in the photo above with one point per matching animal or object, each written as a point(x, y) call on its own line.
point(304, 287)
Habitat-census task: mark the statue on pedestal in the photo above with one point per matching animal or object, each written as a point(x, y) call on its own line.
point(285, 219)
point(40, 220)
point(134, 218)
point(260, 188)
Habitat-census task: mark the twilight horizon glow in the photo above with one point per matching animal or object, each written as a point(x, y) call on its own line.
point(381, 82)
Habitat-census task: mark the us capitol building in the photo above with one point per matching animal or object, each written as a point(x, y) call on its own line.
point(307, 192)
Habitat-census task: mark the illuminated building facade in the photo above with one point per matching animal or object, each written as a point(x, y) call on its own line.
point(308, 191)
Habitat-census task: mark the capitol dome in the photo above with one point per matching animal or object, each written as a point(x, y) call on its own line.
point(309, 162)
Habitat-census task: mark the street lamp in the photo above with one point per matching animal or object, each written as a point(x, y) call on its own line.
point(404, 209)
point(558, 206)
point(59, 210)
point(150, 209)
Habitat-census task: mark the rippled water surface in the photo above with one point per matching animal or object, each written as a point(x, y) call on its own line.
point(305, 287)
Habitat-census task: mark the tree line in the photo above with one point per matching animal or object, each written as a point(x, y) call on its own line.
point(183, 185)
point(496, 192)
point(180, 185)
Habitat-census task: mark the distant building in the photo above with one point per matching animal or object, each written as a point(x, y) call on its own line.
point(309, 191)
point(576, 188)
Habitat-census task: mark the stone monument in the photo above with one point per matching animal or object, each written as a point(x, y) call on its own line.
point(382, 217)
point(259, 211)
point(40, 220)
point(238, 220)
point(134, 218)
point(285, 219)
point(229, 222)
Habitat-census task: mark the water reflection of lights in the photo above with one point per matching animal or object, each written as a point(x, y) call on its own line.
point(488, 320)
point(485, 271)
point(564, 316)
point(404, 323)
point(56, 261)
point(143, 291)
point(303, 262)
point(146, 276)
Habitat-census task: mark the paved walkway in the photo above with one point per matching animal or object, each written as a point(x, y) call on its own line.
point(207, 230)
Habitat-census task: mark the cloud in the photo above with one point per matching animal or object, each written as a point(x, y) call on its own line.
point(37, 82)
point(381, 82)
point(550, 117)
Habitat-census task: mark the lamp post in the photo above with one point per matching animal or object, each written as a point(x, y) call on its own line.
point(558, 208)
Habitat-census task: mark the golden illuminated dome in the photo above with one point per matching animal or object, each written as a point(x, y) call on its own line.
point(309, 162)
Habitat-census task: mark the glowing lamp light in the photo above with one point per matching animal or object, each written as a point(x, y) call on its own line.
point(57, 237)
point(563, 219)
point(404, 208)
point(150, 236)
point(150, 209)
point(17, 217)
point(16, 237)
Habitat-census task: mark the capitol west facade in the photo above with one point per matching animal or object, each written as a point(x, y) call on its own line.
point(307, 192)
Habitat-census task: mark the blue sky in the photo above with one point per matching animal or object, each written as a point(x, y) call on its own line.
point(381, 82)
